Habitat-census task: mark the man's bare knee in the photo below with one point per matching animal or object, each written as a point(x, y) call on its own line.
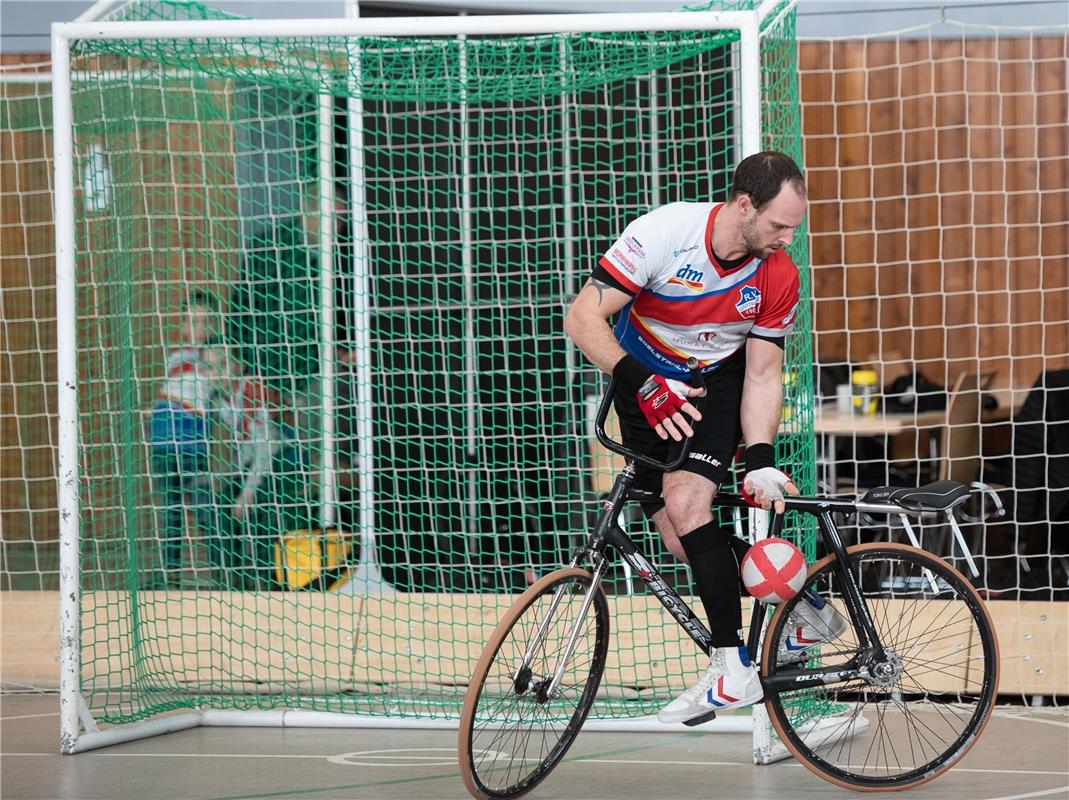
point(669, 535)
point(687, 505)
point(684, 514)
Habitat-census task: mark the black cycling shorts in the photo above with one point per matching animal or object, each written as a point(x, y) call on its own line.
point(716, 436)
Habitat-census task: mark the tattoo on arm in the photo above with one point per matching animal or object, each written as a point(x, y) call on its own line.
point(601, 286)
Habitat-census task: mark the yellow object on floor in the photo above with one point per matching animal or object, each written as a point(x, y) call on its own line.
point(312, 560)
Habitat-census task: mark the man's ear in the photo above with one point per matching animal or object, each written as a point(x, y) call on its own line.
point(745, 204)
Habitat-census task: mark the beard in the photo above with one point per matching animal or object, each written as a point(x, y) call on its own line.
point(750, 241)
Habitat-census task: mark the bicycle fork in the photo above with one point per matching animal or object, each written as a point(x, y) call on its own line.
point(596, 548)
point(552, 689)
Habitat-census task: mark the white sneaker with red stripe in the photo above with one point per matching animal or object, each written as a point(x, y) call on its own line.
point(730, 682)
point(812, 626)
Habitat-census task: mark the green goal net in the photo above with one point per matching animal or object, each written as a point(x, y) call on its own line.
point(329, 420)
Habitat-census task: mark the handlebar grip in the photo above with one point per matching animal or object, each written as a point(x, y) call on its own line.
point(697, 380)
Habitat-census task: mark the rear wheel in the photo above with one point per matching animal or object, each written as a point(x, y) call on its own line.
point(923, 707)
point(513, 732)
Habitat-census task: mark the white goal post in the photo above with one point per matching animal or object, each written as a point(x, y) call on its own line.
point(80, 726)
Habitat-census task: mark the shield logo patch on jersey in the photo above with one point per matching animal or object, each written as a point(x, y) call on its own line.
point(749, 302)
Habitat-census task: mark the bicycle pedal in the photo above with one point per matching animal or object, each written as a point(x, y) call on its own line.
point(708, 716)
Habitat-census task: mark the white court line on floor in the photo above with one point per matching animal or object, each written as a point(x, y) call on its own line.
point(29, 716)
point(1028, 718)
point(577, 760)
point(1043, 793)
point(168, 755)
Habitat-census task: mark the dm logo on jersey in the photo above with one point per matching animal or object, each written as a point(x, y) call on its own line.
point(689, 277)
point(622, 260)
point(749, 301)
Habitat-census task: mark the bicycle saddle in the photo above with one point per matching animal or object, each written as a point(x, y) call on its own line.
point(938, 496)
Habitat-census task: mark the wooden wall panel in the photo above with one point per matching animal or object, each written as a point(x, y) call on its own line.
point(939, 188)
point(352, 642)
point(27, 333)
point(155, 244)
point(939, 223)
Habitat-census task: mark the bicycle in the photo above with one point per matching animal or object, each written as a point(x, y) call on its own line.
point(919, 653)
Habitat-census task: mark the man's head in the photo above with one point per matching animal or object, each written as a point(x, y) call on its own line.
point(200, 318)
point(769, 192)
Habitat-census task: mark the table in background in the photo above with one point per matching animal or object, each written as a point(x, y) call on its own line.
point(829, 423)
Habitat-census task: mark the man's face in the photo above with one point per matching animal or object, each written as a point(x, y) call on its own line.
point(200, 324)
point(772, 228)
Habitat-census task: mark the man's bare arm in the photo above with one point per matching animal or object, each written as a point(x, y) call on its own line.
point(587, 323)
point(762, 404)
point(762, 392)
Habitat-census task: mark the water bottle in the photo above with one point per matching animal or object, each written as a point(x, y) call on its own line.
point(863, 383)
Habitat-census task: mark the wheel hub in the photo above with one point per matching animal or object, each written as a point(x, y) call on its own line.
point(886, 673)
point(522, 682)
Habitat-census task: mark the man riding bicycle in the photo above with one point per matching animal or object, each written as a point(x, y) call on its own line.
point(710, 281)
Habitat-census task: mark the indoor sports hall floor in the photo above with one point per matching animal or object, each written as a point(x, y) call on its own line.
point(1024, 753)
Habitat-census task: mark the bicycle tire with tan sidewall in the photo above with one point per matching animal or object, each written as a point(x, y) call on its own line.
point(471, 701)
point(990, 682)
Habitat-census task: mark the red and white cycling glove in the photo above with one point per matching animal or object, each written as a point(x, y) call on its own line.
point(660, 397)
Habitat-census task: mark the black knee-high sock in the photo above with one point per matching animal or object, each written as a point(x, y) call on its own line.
point(715, 556)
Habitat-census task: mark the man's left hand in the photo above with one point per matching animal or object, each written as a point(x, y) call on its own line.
point(767, 486)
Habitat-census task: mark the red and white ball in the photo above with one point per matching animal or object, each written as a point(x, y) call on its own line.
point(773, 570)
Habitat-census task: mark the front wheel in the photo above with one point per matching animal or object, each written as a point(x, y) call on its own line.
point(513, 729)
point(914, 714)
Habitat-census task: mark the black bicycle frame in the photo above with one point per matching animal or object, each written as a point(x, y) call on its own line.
point(669, 598)
point(607, 531)
point(822, 509)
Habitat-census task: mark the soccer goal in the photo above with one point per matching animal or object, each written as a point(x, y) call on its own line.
point(318, 420)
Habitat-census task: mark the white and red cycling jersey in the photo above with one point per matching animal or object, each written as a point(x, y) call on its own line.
point(686, 304)
point(256, 435)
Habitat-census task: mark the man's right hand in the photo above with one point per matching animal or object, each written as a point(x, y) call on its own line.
point(664, 401)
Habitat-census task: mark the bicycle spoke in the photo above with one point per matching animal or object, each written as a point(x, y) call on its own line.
point(919, 710)
point(515, 734)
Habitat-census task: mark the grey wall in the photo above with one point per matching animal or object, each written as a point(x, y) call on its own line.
point(24, 24)
point(822, 19)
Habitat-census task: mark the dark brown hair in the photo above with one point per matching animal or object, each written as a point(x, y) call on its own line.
point(202, 297)
point(762, 175)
